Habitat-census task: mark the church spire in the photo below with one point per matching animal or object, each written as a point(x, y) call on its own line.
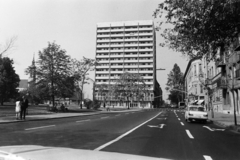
point(33, 61)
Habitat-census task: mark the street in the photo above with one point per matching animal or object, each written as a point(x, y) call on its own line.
point(159, 133)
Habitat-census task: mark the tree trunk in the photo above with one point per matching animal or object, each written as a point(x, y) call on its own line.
point(81, 100)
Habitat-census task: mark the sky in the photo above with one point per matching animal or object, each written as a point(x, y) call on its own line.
point(72, 25)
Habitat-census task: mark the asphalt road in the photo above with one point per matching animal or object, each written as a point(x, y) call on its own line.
point(156, 133)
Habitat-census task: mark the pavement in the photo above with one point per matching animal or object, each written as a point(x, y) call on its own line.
point(7, 113)
point(225, 120)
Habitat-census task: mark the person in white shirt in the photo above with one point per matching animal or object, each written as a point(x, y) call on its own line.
point(18, 108)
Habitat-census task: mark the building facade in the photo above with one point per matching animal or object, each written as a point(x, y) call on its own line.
point(126, 47)
point(220, 78)
point(194, 81)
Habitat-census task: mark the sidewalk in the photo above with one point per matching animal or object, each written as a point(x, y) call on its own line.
point(40, 113)
point(225, 120)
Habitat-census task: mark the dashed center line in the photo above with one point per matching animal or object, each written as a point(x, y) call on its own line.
point(40, 127)
point(207, 157)
point(104, 117)
point(189, 134)
point(182, 123)
point(179, 119)
point(83, 120)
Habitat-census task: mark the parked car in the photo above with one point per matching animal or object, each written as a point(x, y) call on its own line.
point(196, 113)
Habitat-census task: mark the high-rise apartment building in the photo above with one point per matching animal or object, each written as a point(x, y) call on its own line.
point(127, 47)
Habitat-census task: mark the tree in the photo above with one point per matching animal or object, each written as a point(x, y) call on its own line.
point(80, 71)
point(129, 86)
point(53, 71)
point(9, 80)
point(199, 27)
point(102, 90)
point(8, 46)
point(175, 84)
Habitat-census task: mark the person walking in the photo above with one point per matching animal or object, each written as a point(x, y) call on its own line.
point(18, 108)
point(24, 107)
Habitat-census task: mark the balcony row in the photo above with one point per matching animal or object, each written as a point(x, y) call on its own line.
point(124, 45)
point(125, 39)
point(122, 29)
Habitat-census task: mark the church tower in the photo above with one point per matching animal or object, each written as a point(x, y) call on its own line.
point(32, 77)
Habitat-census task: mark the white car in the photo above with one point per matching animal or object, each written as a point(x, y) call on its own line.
point(196, 113)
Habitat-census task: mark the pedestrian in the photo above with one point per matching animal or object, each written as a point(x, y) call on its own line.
point(24, 107)
point(18, 108)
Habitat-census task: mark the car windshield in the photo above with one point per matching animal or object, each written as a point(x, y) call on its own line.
point(196, 109)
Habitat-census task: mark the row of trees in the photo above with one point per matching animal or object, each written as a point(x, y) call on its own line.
point(56, 74)
point(128, 87)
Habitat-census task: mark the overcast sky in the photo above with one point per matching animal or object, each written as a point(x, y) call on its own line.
point(72, 24)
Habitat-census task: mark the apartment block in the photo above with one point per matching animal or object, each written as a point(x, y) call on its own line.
point(128, 46)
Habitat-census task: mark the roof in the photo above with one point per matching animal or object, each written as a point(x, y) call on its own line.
point(23, 83)
point(189, 64)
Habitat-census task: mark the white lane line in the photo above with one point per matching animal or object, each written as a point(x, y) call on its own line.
point(208, 128)
point(179, 119)
point(207, 157)
point(83, 120)
point(125, 134)
point(182, 123)
point(104, 117)
point(189, 134)
point(40, 127)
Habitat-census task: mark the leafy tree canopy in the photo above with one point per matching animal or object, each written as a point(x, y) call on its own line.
point(9, 80)
point(130, 85)
point(175, 84)
point(199, 26)
point(53, 71)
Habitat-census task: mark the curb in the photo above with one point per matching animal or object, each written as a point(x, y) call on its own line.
point(42, 119)
point(230, 127)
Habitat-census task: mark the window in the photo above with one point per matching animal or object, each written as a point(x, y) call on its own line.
point(201, 88)
point(200, 68)
point(195, 70)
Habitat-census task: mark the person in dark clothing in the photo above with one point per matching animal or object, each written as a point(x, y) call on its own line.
point(24, 107)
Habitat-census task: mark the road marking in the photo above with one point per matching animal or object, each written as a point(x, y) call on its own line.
point(83, 120)
point(157, 126)
point(40, 127)
point(207, 157)
point(189, 134)
point(161, 118)
point(213, 129)
point(179, 119)
point(182, 123)
point(208, 128)
point(125, 134)
point(104, 117)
